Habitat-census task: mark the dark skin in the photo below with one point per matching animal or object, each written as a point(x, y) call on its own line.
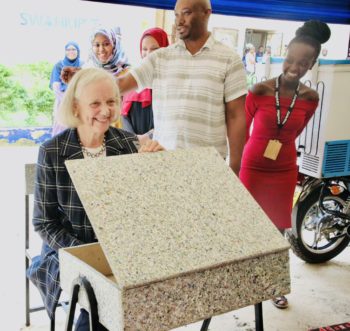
point(300, 58)
point(268, 88)
point(191, 19)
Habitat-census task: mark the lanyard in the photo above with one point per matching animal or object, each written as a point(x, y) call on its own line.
point(278, 107)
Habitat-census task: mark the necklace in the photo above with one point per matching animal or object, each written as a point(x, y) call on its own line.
point(274, 145)
point(278, 107)
point(96, 154)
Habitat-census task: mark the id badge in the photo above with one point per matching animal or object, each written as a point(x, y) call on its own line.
point(272, 149)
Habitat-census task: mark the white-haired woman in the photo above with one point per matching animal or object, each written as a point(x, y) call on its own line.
point(89, 105)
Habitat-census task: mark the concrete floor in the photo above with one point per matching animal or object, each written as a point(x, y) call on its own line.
point(320, 293)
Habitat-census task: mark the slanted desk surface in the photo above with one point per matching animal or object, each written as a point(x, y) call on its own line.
point(161, 215)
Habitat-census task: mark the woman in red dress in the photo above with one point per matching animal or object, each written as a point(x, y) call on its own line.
point(281, 108)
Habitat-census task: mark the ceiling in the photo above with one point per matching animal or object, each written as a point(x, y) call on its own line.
point(329, 11)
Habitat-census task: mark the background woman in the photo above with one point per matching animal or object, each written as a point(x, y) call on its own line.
point(259, 54)
point(71, 59)
point(250, 65)
point(89, 105)
point(281, 108)
point(106, 51)
point(137, 114)
point(250, 59)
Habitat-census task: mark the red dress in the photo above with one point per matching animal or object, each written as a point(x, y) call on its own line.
point(272, 183)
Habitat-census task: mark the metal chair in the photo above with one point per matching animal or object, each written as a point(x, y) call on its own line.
point(29, 172)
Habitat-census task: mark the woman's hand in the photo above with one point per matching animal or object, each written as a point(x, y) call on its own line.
point(151, 146)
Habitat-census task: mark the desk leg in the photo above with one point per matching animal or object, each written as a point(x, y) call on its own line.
point(205, 324)
point(259, 323)
point(93, 312)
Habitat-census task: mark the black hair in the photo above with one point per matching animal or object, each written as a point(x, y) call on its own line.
point(313, 33)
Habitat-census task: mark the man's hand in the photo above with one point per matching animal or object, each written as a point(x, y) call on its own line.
point(236, 127)
point(143, 138)
point(67, 73)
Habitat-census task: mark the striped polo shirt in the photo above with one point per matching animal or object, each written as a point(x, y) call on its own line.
point(190, 91)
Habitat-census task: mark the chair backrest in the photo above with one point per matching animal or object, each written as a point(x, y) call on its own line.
point(29, 171)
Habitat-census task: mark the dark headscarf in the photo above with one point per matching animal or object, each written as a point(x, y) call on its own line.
point(56, 71)
point(145, 96)
point(118, 60)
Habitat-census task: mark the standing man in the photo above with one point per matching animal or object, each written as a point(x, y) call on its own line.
point(199, 87)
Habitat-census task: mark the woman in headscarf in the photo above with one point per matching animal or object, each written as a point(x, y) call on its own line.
point(106, 51)
point(71, 59)
point(137, 113)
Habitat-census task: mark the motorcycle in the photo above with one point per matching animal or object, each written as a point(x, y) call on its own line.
point(321, 218)
point(321, 213)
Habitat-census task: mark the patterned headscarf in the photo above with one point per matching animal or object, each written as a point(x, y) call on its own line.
point(118, 59)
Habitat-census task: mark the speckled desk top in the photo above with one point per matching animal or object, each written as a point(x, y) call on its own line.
point(159, 215)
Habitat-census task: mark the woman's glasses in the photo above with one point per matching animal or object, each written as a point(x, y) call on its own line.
point(71, 50)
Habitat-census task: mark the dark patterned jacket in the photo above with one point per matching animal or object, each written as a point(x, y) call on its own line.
point(59, 216)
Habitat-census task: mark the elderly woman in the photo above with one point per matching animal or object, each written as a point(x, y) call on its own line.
point(89, 105)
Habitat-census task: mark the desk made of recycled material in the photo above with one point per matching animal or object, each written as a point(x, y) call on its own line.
point(180, 240)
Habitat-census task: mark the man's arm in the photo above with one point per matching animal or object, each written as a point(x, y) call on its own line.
point(236, 127)
point(142, 76)
point(126, 83)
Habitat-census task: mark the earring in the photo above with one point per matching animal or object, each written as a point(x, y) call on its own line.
point(75, 114)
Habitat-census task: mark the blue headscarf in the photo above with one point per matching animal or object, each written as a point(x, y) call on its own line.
point(118, 60)
point(56, 71)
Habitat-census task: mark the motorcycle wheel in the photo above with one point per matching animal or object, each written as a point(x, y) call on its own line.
point(318, 245)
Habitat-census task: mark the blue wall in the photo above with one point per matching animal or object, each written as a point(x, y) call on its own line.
point(329, 11)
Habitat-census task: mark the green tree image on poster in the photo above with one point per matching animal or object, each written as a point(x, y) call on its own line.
point(25, 97)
